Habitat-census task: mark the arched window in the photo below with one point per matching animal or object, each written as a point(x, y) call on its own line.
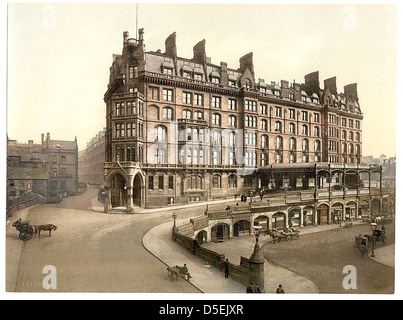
point(216, 157)
point(278, 126)
point(231, 139)
point(232, 121)
point(247, 84)
point(167, 113)
point(161, 134)
point(291, 128)
point(317, 145)
point(279, 142)
point(232, 181)
point(357, 149)
point(216, 181)
point(216, 137)
point(264, 160)
point(292, 158)
point(316, 132)
point(344, 148)
point(305, 145)
point(293, 144)
point(216, 119)
point(351, 148)
point(264, 141)
point(198, 115)
point(263, 125)
point(279, 158)
point(351, 135)
point(305, 158)
point(305, 130)
point(186, 114)
point(357, 137)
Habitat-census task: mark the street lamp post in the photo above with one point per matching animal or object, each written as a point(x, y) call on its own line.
point(256, 230)
point(373, 228)
point(174, 216)
point(256, 261)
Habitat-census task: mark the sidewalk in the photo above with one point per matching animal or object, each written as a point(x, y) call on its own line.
point(97, 206)
point(208, 279)
point(14, 247)
point(384, 255)
point(204, 277)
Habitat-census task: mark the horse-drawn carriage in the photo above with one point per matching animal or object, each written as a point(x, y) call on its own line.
point(362, 243)
point(287, 234)
point(27, 232)
point(176, 272)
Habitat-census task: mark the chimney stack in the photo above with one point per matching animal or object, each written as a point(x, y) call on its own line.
point(331, 84)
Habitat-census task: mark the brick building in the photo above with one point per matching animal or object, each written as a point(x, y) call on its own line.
point(91, 161)
point(48, 169)
point(184, 129)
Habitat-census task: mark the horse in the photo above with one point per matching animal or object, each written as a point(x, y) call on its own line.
point(46, 227)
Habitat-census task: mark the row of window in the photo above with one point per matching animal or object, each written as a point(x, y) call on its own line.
point(129, 153)
point(128, 108)
point(194, 182)
point(128, 129)
point(216, 102)
point(197, 156)
point(216, 79)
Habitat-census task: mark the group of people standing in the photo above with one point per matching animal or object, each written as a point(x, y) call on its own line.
point(253, 288)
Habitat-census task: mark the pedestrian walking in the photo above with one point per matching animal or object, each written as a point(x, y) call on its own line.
point(226, 268)
point(249, 289)
point(280, 289)
point(257, 289)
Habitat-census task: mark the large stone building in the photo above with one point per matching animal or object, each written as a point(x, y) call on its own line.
point(91, 161)
point(180, 130)
point(47, 170)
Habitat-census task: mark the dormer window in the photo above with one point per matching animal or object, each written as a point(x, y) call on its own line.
point(291, 95)
point(247, 84)
point(168, 71)
point(232, 83)
point(262, 89)
point(315, 100)
point(276, 93)
point(198, 76)
point(186, 74)
point(215, 80)
point(303, 98)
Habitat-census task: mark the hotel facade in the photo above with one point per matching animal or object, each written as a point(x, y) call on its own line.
point(182, 130)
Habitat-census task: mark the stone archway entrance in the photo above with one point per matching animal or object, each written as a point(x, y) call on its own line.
point(118, 191)
point(137, 187)
point(323, 213)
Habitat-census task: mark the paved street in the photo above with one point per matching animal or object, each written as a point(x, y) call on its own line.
point(321, 257)
point(97, 252)
point(92, 252)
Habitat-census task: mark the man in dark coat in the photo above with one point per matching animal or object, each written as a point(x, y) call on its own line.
point(226, 268)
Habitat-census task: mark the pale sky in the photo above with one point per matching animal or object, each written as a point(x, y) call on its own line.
point(59, 57)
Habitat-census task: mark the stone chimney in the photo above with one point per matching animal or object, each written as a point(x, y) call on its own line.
point(312, 83)
point(331, 85)
point(170, 46)
point(351, 91)
point(246, 62)
point(199, 52)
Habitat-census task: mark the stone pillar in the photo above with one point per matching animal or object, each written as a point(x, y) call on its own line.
point(129, 202)
point(256, 267)
point(108, 199)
